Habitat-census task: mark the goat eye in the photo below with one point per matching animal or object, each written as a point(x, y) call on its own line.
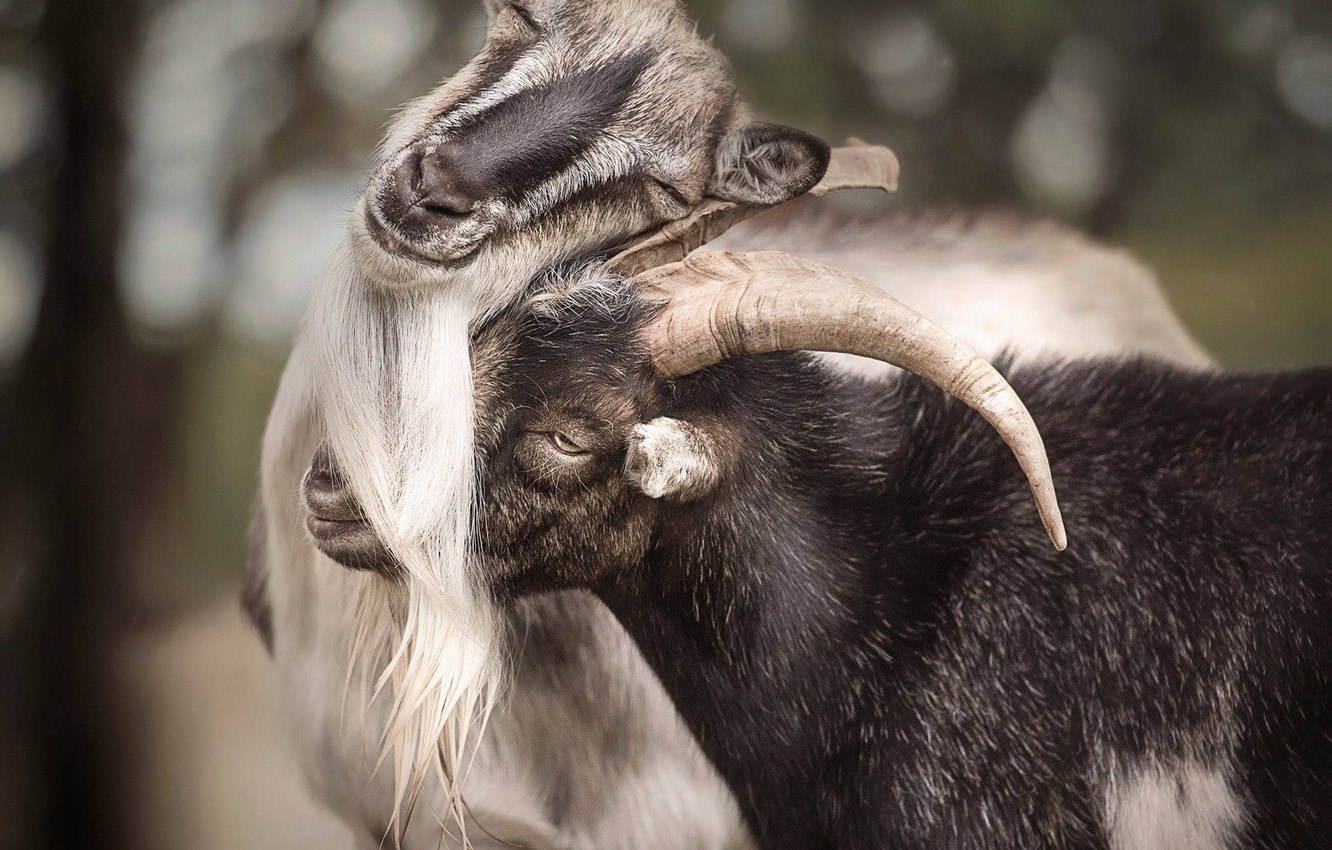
point(563, 443)
point(526, 14)
point(675, 193)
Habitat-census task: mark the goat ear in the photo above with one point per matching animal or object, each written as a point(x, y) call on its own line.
point(767, 164)
point(671, 459)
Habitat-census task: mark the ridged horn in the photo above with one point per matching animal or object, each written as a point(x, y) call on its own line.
point(720, 305)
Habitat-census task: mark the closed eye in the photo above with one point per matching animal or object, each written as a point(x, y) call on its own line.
point(676, 194)
point(526, 14)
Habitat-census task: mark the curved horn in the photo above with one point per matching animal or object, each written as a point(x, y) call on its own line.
point(857, 166)
point(717, 307)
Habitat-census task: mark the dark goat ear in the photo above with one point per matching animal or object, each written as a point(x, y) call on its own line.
point(768, 164)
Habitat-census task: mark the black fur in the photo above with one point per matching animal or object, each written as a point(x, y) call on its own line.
point(864, 624)
point(876, 645)
point(525, 140)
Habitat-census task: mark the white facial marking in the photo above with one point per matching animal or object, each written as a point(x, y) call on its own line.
point(668, 457)
point(537, 67)
point(605, 160)
point(1183, 806)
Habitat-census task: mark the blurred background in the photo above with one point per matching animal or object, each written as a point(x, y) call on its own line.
point(174, 174)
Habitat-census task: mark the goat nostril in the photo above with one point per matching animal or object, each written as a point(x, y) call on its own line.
point(322, 469)
point(447, 203)
point(442, 188)
point(326, 494)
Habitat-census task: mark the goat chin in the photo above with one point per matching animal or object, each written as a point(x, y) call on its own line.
point(393, 383)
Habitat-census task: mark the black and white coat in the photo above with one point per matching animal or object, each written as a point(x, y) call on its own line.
point(863, 625)
point(878, 649)
point(588, 751)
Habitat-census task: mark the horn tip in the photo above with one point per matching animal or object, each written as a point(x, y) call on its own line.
point(1057, 534)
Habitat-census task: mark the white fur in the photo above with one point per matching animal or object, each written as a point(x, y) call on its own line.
point(668, 457)
point(996, 282)
point(608, 158)
point(1181, 805)
point(392, 380)
point(411, 670)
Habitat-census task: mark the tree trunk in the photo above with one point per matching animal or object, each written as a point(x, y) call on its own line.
point(91, 418)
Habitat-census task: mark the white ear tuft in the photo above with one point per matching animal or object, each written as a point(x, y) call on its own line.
point(671, 458)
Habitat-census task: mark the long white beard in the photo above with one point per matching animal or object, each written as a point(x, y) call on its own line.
point(393, 382)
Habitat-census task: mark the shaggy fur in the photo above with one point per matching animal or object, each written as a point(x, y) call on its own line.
point(868, 633)
point(1055, 290)
point(381, 371)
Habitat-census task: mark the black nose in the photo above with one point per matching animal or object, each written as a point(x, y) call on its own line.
point(438, 183)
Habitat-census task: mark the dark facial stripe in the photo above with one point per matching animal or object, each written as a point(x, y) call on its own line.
point(525, 140)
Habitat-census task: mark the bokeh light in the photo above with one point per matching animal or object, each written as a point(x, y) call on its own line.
point(761, 25)
point(282, 251)
point(1304, 78)
point(1062, 152)
point(209, 91)
point(22, 114)
point(362, 46)
point(20, 289)
point(909, 66)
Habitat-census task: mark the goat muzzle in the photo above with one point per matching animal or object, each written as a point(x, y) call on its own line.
point(336, 523)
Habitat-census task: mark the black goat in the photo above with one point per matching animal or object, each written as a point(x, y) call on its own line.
point(843, 589)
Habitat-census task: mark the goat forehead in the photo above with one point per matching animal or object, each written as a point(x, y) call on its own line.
point(682, 79)
point(605, 21)
point(684, 63)
point(587, 376)
point(584, 363)
point(687, 80)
